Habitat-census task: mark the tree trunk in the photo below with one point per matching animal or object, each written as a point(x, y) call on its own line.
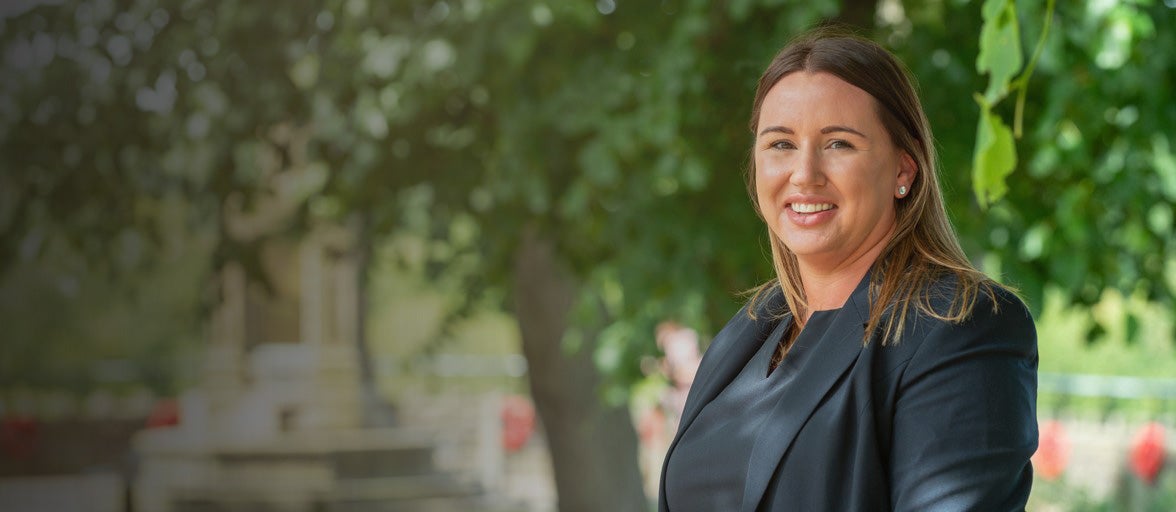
point(593, 447)
point(377, 412)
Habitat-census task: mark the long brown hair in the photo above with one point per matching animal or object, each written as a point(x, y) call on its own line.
point(924, 248)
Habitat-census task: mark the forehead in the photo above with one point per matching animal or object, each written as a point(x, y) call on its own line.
point(821, 98)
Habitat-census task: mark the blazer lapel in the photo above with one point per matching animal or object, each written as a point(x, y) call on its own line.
point(830, 358)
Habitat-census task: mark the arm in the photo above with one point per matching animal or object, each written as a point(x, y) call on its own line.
point(965, 419)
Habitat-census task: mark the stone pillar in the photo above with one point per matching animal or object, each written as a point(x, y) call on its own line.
point(346, 277)
point(330, 325)
point(223, 377)
point(313, 279)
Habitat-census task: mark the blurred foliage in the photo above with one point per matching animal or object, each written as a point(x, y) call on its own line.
point(616, 129)
point(1087, 208)
point(1127, 494)
point(1123, 348)
point(68, 329)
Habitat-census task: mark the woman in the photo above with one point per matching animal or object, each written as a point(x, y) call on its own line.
point(880, 370)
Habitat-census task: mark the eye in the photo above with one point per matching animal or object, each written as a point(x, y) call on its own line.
point(840, 144)
point(782, 144)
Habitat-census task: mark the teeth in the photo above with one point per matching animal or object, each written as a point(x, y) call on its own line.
point(811, 208)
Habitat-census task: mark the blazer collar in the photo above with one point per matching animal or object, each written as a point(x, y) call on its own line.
point(735, 345)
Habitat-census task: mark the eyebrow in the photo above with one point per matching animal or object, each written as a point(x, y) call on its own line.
point(826, 130)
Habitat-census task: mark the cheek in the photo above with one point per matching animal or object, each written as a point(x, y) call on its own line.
point(882, 201)
point(768, 168)
point(767, 179)
point(763, 195)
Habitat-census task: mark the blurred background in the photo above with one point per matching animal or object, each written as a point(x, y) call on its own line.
point(463, 254)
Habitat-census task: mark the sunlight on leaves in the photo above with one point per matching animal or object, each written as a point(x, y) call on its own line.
point(304, 73)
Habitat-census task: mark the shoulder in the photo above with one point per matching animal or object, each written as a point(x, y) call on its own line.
point(986, 305)
point(949, 299)
point(994, 320)
point(964, 418)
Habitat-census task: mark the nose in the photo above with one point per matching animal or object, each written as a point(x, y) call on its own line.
point(807, 170)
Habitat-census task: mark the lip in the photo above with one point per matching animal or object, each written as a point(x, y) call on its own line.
point(807, 219)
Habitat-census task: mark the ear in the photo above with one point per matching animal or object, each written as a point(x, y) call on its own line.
point(907, 172)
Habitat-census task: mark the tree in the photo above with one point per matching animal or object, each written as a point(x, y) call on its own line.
point(1089, 203)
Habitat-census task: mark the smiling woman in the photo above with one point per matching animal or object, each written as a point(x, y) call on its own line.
point(880, 370)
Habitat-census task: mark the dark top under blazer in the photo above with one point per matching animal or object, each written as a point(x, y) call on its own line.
point(943, 420)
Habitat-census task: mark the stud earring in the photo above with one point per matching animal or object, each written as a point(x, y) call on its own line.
point(902, 190)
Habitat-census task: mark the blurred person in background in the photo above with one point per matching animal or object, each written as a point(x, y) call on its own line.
point(680, 346)
point(880, 370)
point(658, 421)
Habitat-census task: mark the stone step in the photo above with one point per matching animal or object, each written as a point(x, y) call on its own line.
point(401, 488)
point(401, 462)
point(434, 504)
point(437, 492)
point(383, 463)
point(449, 504)
point(385, 452)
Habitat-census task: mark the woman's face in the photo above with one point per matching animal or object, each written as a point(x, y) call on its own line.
point(827, 173)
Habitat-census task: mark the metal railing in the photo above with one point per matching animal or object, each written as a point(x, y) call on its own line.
point(1107, 386)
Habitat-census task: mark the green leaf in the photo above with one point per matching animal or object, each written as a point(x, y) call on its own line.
point(1164, 163)
point(994, 158)
point(1000, 48)
point(1132, 328)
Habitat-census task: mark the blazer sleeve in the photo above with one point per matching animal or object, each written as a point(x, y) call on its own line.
point(965, 420)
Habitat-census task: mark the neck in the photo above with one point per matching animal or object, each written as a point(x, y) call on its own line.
point(830, 291)
point(829, 286)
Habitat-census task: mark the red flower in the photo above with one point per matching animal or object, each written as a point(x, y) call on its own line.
point(165, 413)
point(20, 437)
point(1053, 450)
point(518, 421)
point(1147, 452)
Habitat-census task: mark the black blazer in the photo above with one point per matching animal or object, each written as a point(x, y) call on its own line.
point(943, 420)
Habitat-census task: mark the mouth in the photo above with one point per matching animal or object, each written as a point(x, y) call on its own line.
point(810, 207)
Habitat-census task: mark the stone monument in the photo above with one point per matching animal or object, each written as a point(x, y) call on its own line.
point(276, 423)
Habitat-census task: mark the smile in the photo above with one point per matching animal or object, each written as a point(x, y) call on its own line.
point(810, 207)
